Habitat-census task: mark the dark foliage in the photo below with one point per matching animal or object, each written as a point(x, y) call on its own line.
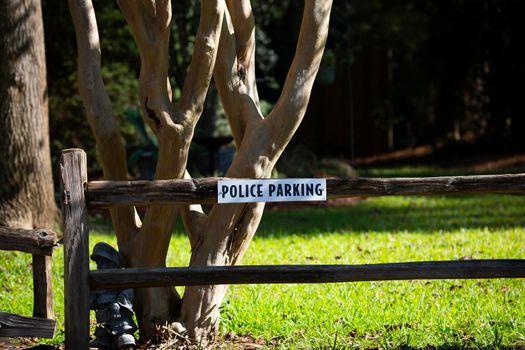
point(453, 67)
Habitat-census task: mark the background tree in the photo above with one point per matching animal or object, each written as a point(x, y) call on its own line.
point(26, 185)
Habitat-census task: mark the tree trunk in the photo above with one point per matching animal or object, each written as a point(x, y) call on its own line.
point(224, 48)
point(26, 185)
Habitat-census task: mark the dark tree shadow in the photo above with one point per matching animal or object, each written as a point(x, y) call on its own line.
point(422, 215)
point(426, 215)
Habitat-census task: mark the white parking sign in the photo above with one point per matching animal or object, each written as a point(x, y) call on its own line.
point(270, 190)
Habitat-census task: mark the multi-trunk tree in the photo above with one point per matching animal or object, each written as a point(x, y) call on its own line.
point(224, 50)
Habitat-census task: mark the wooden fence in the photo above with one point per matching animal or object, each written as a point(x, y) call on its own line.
point(40, 244)
point(78, 194)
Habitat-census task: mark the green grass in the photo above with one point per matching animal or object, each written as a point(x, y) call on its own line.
point(402, 314)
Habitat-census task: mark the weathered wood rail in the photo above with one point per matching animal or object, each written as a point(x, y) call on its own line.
point(78, 194)
point(194, 276)
point(40, 244)
point(204, 191)
point(19, 326)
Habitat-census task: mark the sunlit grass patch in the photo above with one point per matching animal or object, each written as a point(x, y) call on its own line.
point(453, 313)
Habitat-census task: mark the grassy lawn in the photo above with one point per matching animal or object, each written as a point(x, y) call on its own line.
point(449, 314)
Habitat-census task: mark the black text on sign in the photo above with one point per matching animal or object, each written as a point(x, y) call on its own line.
point(271, 190)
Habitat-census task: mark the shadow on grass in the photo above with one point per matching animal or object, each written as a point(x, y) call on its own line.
point(415, 214)
point(394, 214)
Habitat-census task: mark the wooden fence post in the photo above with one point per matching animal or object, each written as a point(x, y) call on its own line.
point(42, 287)
point(73, 169)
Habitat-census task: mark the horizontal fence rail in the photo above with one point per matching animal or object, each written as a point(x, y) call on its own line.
point(188, 276)
point(38, 242)
point(114, 193)
point(19, 326)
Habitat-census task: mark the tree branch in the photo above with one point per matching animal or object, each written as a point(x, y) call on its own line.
point(150, 25)
point(173, 126)
point(241, 108)
point(194, 218)
point(99, 111)
point(203, 60)
point(244, 26)
point(291, 106)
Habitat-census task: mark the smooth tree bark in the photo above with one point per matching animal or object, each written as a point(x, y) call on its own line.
point(225, 51)
point(26, 182)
